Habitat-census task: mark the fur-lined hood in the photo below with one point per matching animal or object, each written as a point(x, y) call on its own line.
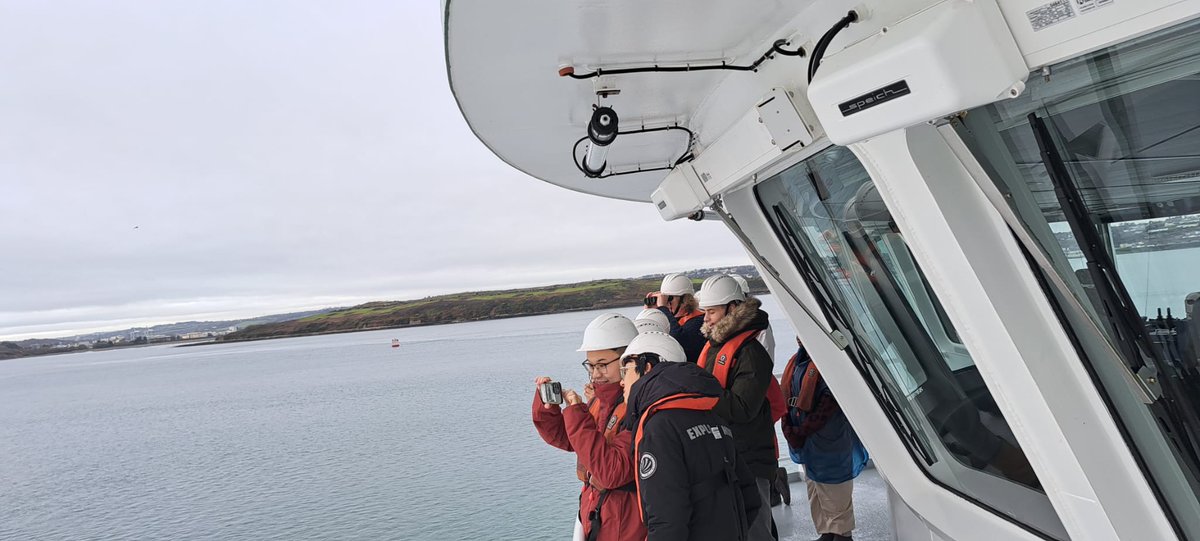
point(745, 316)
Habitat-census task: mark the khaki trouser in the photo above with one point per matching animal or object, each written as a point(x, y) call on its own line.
point(832, 507)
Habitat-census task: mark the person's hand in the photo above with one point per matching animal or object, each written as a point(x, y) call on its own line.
point(589, 391)
point(537, 382)
point(659, 298)
point(571, 397)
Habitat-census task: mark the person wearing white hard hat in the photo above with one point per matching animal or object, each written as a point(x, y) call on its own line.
point(676, 298)
point(691, 484)
point(592, 430)
point(732, 322)
point(766, 336)
point(781, 492)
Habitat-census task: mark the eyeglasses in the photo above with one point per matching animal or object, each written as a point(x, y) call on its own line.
point(602, 366)
point(633, 360)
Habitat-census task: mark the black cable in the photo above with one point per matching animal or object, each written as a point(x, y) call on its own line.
point(776, 48)
point(687, 152)
point(822, 44)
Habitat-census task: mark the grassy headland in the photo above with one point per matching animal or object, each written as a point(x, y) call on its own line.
point(472, 306)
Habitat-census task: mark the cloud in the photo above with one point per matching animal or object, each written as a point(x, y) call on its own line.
point(164, 162)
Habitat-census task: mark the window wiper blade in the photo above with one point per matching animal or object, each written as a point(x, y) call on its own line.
point(796, 248)
point(1133, 340)
point(1142, 355)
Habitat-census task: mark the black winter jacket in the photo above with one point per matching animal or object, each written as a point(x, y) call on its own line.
point(693, 486)
point(688, 335)
point(744, 402)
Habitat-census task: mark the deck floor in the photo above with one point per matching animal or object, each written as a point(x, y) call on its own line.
point(871, 512)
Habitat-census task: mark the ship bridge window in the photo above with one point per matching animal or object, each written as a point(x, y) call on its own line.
point(1113, 205)
point(830, 217)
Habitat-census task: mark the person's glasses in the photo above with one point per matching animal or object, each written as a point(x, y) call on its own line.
point(591, 367)
point(631, 361)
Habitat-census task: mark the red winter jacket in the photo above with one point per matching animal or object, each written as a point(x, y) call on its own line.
point(609, 465)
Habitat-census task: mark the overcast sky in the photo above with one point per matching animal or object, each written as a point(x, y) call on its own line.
point(218, 159)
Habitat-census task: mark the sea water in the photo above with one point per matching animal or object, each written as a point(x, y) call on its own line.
point(327, 437)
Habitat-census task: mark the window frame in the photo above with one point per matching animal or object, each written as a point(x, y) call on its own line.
point(868, 370)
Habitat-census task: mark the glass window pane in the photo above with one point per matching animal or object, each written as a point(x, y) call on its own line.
point(1124, 127)
point(829, 214)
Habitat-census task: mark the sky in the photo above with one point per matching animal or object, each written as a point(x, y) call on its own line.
point(173, 161)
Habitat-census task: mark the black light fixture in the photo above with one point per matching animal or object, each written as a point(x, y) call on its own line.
point(601, 132)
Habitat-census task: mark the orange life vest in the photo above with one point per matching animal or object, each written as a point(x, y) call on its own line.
point(695, 314)
point(682, 401)
point(610, 431)
point(808, 385)
point(726, 357)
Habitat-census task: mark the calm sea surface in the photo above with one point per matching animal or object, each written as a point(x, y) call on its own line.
point(330, 437)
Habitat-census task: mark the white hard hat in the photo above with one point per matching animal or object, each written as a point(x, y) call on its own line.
point(656, 315)
point(741, 282)
point(609, 331)
point(646, 325)
point(719, 290)
point(659, 343)
point(677, 284)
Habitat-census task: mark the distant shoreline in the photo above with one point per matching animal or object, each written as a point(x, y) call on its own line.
point(467, 307)
point(386, 327)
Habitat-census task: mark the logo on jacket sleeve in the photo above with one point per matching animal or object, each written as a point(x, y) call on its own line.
point(647, 465)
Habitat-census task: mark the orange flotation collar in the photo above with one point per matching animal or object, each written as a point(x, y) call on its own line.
point(695, 314)
point(682, 401)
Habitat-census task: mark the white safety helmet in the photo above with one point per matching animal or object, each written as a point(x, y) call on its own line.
point(646, 325)
point(677, 284)
point(609, 331)
point(741, 282)
point(656, 315)
point(719, 290)
point(659, 343)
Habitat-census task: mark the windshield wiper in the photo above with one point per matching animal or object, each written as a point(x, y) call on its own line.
point(1118, 309)
point(796, 247)
point(1142, 356)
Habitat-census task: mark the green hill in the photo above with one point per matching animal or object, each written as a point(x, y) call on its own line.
point(472, 306)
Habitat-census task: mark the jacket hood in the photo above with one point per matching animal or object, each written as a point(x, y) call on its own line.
point(746, 316)
point(666, 379)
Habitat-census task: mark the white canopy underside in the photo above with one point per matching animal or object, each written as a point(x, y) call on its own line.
point(503, 59)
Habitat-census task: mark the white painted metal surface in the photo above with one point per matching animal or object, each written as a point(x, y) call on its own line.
point(948, 58)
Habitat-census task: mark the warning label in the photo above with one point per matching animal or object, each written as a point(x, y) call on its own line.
point(1055, 12)
point(1088, 5)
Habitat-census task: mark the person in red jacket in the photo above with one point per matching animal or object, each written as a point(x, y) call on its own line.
point(608, 505)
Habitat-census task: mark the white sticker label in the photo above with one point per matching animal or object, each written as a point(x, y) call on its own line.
point(1050, 14)
point(1088, 5)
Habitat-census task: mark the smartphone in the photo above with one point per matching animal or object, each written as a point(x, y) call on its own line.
point(551, 392)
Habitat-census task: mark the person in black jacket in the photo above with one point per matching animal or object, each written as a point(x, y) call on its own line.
point(690, 481)
point(676, 298)
point(733, 354)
